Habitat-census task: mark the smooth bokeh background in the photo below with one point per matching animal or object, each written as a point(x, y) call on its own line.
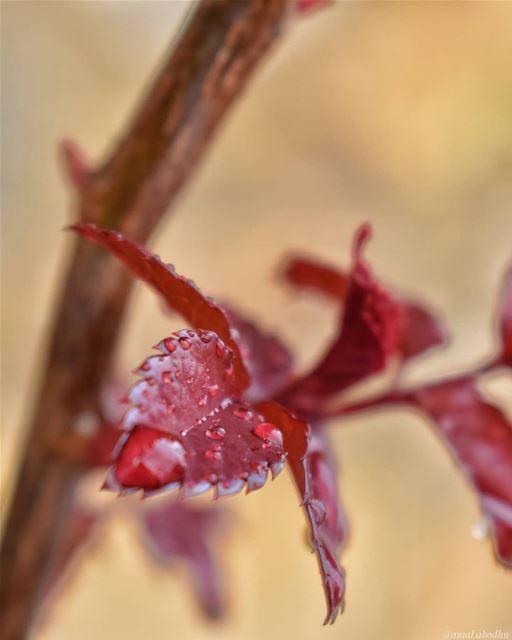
point(396, 113)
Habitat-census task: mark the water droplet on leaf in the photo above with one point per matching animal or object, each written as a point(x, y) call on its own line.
point(270, 434)
point(169, 344)
point(480, 529)
point(214, 456)
point(213, 390)
point(216, 433)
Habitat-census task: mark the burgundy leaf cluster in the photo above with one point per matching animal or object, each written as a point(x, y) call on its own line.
point(219, 407)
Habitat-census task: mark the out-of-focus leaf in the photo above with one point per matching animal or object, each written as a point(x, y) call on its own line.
point(315, 479)
point(305, 7)
point(102, 444)
point(307, 273)
point(505, 316)
point(268, 361)
point(421, 330)
point(480, 440)
point(370, 330)
point(176, 531)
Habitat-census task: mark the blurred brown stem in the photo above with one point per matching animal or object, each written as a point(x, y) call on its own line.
point(220, 46)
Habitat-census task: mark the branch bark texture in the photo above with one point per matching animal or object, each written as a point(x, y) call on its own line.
point(220, 46)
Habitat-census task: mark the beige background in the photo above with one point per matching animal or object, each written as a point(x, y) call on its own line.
point(397, 113)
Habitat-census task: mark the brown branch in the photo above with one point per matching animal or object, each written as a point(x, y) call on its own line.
point(218, 50)
point(217, 53)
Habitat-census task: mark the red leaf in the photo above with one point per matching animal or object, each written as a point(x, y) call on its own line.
point(105, 431)
point(307, 273)
point(316, 482)
point(369, 333)
point(180, 294)
point(309, 6)
point(268, 361)
point(102, 445)
point(505, 316)
point(177, 531)
point(480, 439)
point(324, 487)
point(188, 429)
point(421, 330)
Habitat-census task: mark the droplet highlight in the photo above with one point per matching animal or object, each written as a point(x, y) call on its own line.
point(216, 433)
point(270, 434)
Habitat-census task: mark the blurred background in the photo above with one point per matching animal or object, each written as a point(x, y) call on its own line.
point(396, 113)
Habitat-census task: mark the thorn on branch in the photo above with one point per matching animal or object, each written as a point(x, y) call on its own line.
point(76, 166)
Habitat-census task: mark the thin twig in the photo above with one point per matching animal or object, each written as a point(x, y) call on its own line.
point(405, 395)
point(217, 52)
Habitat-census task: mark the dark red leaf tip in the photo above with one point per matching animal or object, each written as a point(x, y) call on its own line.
point(361, 238)
point(505, 317)
point(305, 7)
point(369, 333)
point(420, 328)
point(180, 294)
point(309, 273)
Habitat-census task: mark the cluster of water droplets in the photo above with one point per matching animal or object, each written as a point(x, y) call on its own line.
point(171, 453)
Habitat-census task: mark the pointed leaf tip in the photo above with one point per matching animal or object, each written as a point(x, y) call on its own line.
point(180, 294)
point(315, 478)
point(505, 317)
point(305, 7)
point(368, 335)
point(361, 238)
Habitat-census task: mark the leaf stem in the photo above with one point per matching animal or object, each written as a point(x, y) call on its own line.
point(397, 396)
